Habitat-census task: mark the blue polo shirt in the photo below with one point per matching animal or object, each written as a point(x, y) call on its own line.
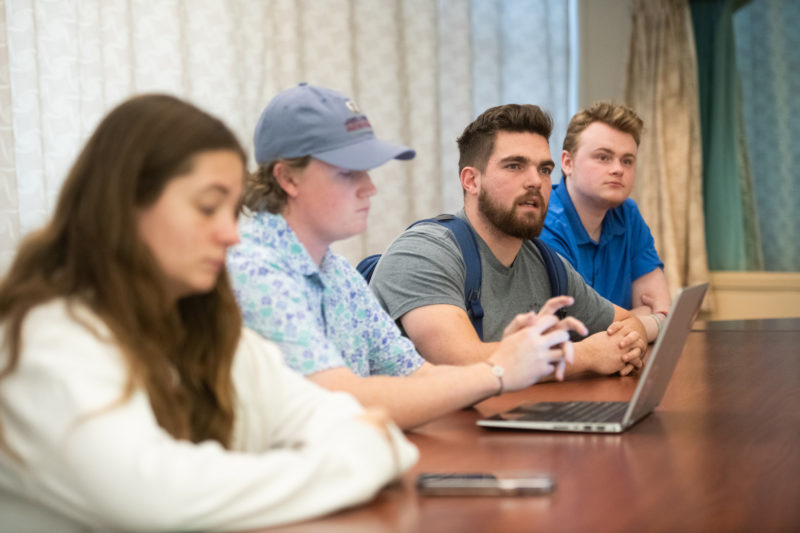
point(626, 250)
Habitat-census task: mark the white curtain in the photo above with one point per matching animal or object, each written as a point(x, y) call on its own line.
point(662, 86)
point(420, 70)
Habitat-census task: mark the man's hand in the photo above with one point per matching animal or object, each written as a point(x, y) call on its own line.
point(630, 343)
point(534, 344)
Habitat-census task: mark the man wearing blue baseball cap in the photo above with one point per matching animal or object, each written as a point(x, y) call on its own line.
point(314, 148)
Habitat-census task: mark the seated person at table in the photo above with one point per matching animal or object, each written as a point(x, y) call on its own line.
point(505, 174)
point(130, 396)
point(312, 188)
point(593, 223)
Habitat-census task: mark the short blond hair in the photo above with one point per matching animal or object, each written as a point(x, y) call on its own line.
point(617, 116)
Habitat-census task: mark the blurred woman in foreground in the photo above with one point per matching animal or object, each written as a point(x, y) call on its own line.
point(130, 396)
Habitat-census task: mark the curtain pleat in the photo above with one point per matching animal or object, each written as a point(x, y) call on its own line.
point(9, 204)
point(413, 66)
point(731, 223)
point(661, 85)
point(768, 58)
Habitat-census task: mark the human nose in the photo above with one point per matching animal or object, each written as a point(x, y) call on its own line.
point(616, 167)
point(228, 230)
point(533, 179)
point(366, 187)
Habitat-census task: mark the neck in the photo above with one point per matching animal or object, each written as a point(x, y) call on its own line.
point(316, 247)
point(504, 247)
point(589, 212)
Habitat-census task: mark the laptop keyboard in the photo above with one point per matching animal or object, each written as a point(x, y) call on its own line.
point(578, 411)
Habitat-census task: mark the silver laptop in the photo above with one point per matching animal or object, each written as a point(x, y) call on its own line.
point(616, 417)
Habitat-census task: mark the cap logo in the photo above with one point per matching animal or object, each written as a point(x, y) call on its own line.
point(351, 105)
point(357, 123)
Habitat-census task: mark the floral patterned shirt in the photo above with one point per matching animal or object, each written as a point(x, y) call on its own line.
point(322, 317)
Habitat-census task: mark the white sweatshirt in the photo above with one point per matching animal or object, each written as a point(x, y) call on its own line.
point(88, 463)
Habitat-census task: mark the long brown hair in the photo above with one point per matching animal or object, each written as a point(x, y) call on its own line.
point(90, 253)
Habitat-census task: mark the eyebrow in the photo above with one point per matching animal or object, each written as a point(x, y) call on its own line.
point(215, 188)
point(610, 151)
point(523, 159)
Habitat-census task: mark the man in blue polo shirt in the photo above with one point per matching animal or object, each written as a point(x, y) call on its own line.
point(592, 222)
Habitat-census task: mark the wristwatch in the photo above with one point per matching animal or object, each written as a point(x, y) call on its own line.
point(499, 372)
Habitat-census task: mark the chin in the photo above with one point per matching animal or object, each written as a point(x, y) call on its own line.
point(203, 287)
point(358, 229)
point(615, 202)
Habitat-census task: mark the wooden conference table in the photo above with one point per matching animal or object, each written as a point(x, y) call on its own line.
point(721, 452)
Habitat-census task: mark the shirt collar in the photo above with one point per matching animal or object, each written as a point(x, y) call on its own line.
point(581, 237)
point(272, 231)
point(611, 226)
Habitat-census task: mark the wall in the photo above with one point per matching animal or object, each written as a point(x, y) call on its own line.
point(605, 31)
point(743, 295)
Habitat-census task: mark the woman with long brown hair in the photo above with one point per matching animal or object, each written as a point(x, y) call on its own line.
point(130, 396)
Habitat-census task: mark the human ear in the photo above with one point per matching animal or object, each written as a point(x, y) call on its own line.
point(566, 163)
point(286, 178)
point(470, 180)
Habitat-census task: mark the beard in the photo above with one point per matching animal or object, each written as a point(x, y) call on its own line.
point(508, 221)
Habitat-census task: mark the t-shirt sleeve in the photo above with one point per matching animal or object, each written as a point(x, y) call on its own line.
point(644, 257)
point(593, 310)
point(423, 266)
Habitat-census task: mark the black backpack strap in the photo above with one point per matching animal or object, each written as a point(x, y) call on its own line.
point(472, 262)
point(366, 267)
point(556, 272)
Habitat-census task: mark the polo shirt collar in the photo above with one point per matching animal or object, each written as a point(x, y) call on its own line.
point(612, 225)
point(272, 230)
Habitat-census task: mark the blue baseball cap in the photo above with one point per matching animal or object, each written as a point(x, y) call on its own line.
point(325, 124)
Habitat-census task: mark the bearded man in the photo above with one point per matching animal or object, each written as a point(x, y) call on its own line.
point(505, 170)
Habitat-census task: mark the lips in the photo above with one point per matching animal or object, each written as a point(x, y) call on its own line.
point(216, 264)
point(535, 201)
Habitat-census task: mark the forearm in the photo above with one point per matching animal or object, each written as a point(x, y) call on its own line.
point(449, 351)
point(601, 354)
point(443, 335)
point(651, 293)
point(429, 392)
point(586, 354)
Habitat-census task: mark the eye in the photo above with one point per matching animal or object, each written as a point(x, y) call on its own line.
point(546, 171)
point(602, 157)
point(349, 174)
point(207, 210)
point(513, 166)
point(628, 162)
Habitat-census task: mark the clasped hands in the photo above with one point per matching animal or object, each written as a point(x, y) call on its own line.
point(630, 342)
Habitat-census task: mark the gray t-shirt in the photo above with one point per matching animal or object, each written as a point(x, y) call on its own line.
point(424, 266)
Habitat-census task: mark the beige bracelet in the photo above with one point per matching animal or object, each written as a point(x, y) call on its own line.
point(657, 317)
point(498, 372)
